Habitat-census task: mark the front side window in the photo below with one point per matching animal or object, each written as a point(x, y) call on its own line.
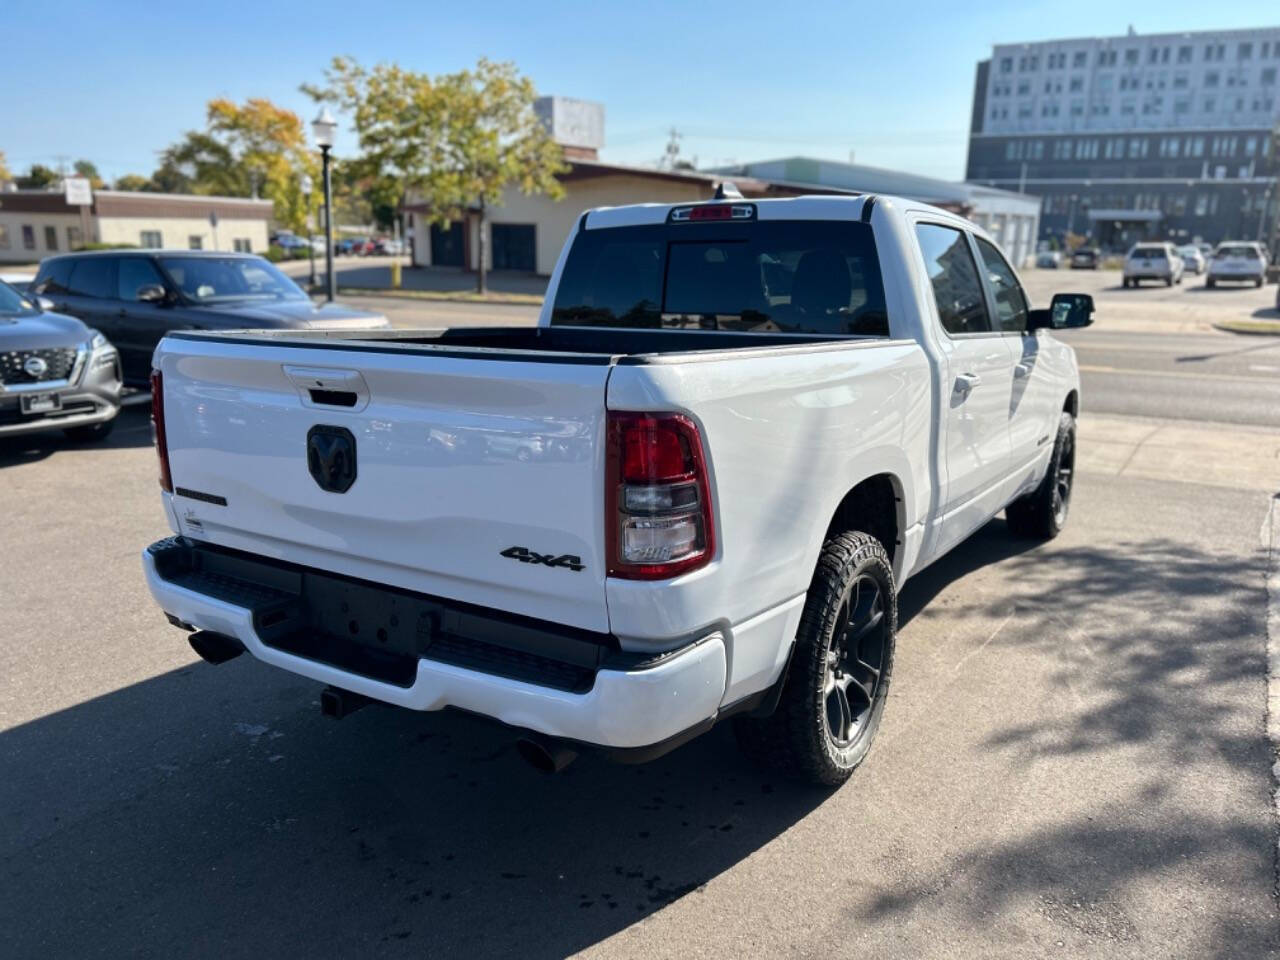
point(957, 290)
point(225, 279)
point(788, 276)
point(134, 273)
point(1010, 300)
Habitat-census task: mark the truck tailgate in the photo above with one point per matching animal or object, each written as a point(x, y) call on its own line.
point(476, 478)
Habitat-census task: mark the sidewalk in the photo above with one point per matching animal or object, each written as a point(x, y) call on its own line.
point(1218, 455)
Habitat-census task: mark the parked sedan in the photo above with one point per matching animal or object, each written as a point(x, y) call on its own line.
point(1192, 258)
point(1153, 261)
point(135, 297)
point(55, 373)
point(1236, 263)
point(1048, 259)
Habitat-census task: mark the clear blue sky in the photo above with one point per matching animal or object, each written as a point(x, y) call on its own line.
point(892, 81)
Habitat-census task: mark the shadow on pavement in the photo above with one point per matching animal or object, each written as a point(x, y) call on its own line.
point(132, 429)
point(1158, 644)
point(213, 811)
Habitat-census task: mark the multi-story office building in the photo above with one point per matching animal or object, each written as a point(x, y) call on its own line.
point(1168, 136)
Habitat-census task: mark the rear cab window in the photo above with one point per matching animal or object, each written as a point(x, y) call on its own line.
point(1148, 253)
point(762, 276)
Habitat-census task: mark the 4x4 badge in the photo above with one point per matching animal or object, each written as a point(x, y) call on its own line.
point(525, 555)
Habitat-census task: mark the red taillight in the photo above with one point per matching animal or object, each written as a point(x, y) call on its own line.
point(157, 427)
point(658, 498)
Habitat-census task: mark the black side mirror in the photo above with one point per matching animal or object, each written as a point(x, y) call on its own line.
point(1066, 311)
point(152, 293)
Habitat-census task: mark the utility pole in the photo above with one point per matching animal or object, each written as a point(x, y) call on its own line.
point(671, 153)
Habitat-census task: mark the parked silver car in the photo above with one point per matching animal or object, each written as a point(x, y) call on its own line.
point(1153, 261)
point(1237, 263)
point(55, 372)
point(1192, 258)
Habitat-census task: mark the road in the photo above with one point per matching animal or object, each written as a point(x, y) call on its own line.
point(1073, 762)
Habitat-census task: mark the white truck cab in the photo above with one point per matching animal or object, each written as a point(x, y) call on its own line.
point(691, 492)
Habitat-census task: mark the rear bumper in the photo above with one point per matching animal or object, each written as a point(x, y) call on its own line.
point(623, 708)
point(1218, 277)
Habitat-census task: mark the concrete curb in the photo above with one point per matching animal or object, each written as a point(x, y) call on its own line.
point(445, 296)
point(1273, 330)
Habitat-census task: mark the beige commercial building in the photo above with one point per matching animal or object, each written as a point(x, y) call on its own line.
point(526, 233)
point(35, 224)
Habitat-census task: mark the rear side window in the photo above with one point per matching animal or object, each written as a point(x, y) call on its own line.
point(788, 276)
point(93, 277)
point(957, 288)
point(1010, 300)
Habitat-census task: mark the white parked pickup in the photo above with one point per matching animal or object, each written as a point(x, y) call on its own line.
point(692, 492)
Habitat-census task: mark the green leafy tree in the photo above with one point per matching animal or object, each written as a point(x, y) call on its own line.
point(246, 149)
point(457, 141)
point(39, 177)
point(5, 175)
point(89, 170)
point(131, 181)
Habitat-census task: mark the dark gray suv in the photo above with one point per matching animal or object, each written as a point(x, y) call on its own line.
point(55, 372)
point(135, 297)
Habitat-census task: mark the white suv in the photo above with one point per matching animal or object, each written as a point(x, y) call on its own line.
point(1153, 261)
point(1236, 263)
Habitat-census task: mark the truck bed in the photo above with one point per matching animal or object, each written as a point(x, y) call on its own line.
point(554, 344)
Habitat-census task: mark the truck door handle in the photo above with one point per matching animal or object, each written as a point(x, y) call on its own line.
point(1021, 370)
point(966, 382)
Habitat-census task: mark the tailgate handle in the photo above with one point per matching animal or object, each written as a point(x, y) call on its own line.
point(328, 386)
point(333, 398)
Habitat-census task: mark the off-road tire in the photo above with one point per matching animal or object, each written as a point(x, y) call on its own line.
point(90, 432)
point(796, 740)
point(1042, 513)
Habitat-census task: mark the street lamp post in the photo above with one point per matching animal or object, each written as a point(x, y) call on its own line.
point(306, 185)
point(323, 127)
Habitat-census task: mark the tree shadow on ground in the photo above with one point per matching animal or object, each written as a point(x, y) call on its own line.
point(1161, 646)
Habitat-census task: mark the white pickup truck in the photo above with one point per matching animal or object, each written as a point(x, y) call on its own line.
point(692, 492)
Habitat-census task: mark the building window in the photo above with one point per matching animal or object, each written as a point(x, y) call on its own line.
point(1246, 51)
point(75, 240)
point(1184, 54)
point(1077, 84)
point(4, 237)
point(1131, 57)
point(1181, 81)
point(1268, 77)
point(1024, 87)
point(28, 237)
point(151, 239)
point(1079, 59)
point(1209, 104)
point(1250, 146)
point(195, 242)
point(51, 238)
point(1211, 79)
point(1006, 64)
point(242, 244)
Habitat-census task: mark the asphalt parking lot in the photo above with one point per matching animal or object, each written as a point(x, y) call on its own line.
point(1074, 760)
